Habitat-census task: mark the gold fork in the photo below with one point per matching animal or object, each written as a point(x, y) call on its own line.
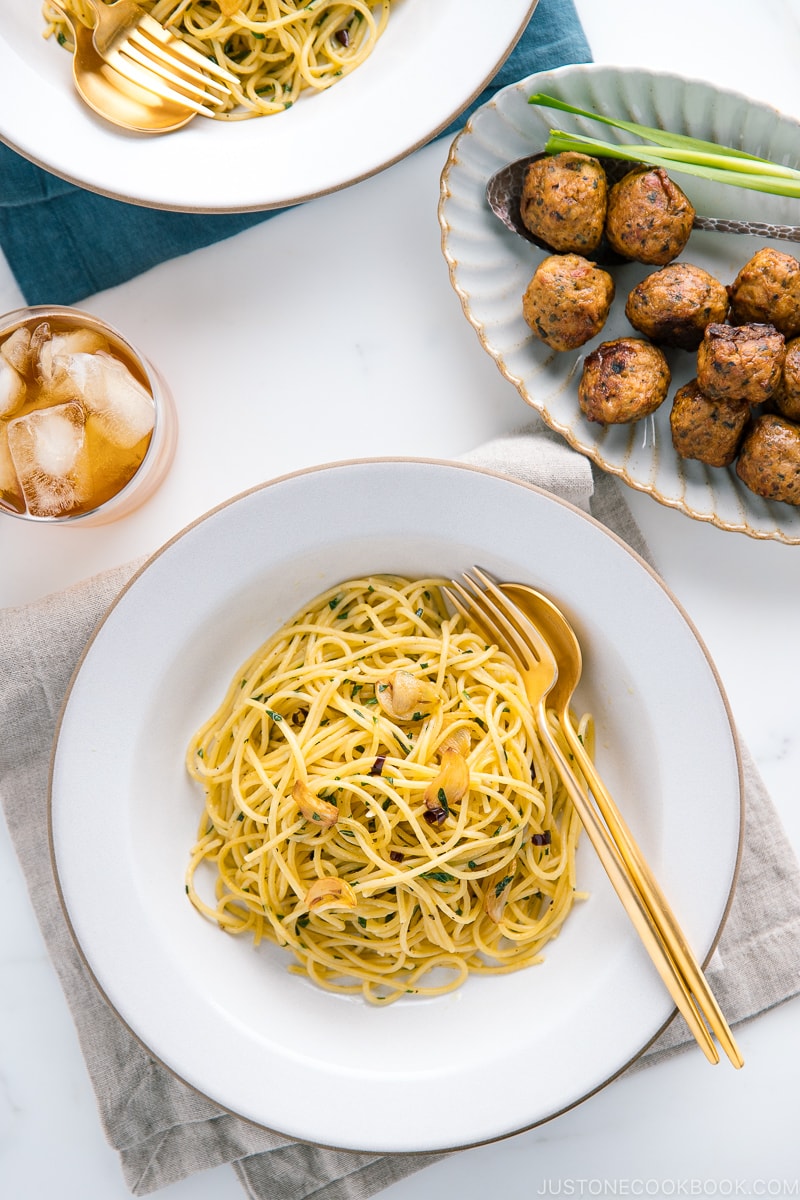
point(485, 605)
point(151, 56)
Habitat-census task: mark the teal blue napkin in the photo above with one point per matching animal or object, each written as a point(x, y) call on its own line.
point(48, 225)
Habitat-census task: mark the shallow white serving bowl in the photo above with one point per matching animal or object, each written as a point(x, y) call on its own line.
point(500, 1054)
point(490, 267)
point(430, 63)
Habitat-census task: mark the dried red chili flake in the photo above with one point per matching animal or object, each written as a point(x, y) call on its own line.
point(435, 816)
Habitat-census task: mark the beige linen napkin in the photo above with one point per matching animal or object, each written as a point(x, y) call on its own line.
point(162, 1129)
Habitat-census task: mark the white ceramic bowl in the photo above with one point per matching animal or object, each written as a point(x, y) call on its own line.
point(430, 63)
point(499, 1054)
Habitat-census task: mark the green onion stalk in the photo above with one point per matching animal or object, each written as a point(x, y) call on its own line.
point(674, 152)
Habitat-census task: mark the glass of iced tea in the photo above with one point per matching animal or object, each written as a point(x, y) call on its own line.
point(87, 425)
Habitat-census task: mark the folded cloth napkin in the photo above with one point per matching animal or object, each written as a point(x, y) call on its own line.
point(162, 1129)
point(64, 243)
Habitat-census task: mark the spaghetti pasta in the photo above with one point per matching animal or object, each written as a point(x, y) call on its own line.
point(276, 49)
point(378, 801)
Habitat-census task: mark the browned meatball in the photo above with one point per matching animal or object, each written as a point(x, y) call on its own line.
point(708, 430)
point(769, 460)
point(563, 201)
point(649, 218)
point(673, 306)
point(623, 381)
point(767, 291)
point(740, 362)
point(786, 398)
point(567, 301)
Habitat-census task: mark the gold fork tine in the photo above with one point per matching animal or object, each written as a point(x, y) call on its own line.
point(539, 675)
point(146, 78)
point(147, 54)
point(496, 626)
point(164, 72)
point(155, 51)
point(179, 49)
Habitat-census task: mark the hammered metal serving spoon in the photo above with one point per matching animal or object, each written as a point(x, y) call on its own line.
point(504, 189)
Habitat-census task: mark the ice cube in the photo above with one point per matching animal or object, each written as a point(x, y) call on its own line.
point(47, 450)
point(124, 409)
point(12, 389)
point(16, 349)
point(10, 491)
point(61, 345)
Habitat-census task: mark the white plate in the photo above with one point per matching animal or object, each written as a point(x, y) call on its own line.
point(229, 1019)
point(398, 99)
point(491, 267)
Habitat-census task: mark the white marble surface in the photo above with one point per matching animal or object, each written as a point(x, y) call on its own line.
point(390, 366)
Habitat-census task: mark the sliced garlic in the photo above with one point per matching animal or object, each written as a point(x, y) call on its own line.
point(449, 786)
point(498, 888)
point(312, 807)
point(459, 741)
point(403, 696)
point(330, 893)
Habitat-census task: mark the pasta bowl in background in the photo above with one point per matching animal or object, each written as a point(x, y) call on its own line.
point(499, 1054)
point(359, 126)
point(490, 267)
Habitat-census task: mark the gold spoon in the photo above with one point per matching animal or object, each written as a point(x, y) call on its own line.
point(116, 98)
point(504, 190)
point(558, 632)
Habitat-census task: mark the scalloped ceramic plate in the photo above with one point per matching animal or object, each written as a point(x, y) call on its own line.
point(228, 1018)
point(490, 268)
point(364, 123)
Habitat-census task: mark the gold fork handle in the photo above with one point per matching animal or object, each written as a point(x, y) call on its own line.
point(629, 895)
point(663, 916)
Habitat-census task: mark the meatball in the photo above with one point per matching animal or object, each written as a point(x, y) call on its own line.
point(649, 218)
point(767, 291)
point(740, 362)
point(786, 398)
point(673, 306)
point(567, 301)
point(622, 381)
point(563, 201)
point(769, 460)
point(708, 430)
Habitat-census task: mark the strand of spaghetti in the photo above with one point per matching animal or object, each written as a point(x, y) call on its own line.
point(382, 897)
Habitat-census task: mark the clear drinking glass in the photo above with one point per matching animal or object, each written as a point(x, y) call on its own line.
point(87, 425)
